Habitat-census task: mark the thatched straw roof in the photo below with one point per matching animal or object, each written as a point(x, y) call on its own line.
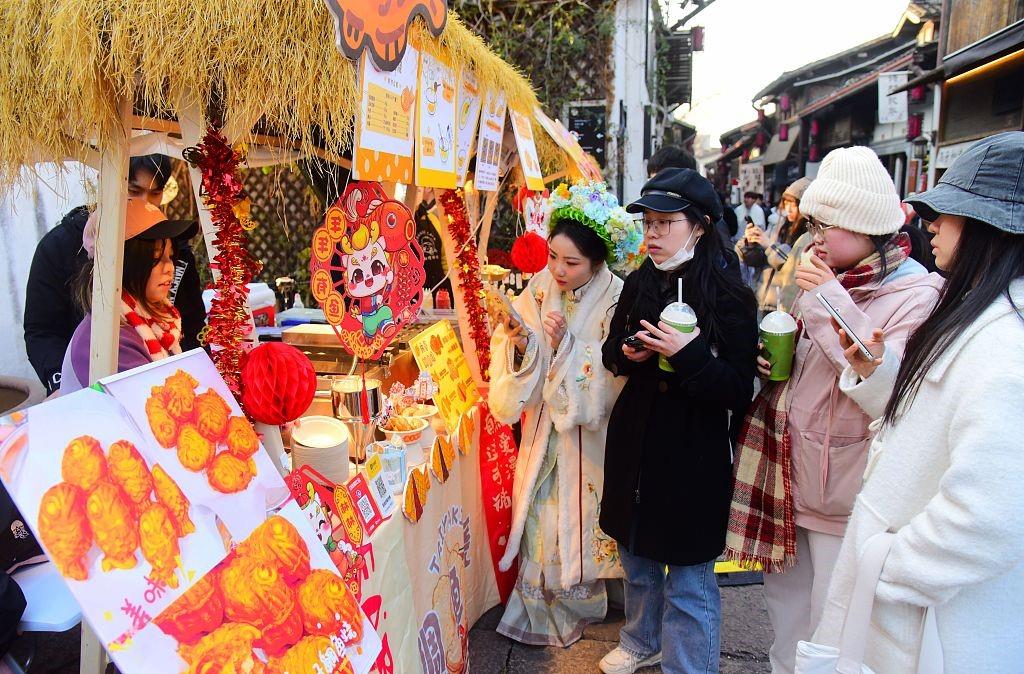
point(68, 62)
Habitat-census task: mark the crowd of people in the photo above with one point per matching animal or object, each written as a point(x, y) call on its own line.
point(646, 453)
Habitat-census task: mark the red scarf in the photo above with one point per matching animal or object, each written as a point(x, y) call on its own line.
point(162, 337)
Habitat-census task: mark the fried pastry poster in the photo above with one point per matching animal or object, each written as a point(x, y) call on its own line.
point(276, 603)
point(436, 128)
point(185, 411)
point(437, 350)
point(120, 529)
point(366, 269)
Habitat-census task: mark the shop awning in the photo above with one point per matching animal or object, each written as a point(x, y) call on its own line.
point(735, 148)
point(778, 150)
point(851, 88)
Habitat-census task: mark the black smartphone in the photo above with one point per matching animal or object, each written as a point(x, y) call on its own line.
point(634, 342)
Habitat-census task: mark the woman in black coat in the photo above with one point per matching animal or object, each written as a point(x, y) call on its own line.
point(668, 462)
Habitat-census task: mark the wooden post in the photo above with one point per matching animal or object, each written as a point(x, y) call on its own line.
point(490, 205)
point(104, 338)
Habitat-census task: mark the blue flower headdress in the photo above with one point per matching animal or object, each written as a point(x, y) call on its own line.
point(591, 204)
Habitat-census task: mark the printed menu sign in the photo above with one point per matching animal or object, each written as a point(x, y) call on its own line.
point(468, 115)
point(384, 127)
point(527, 150)
point(488, 150)
point(435, 128)
point(437, 350)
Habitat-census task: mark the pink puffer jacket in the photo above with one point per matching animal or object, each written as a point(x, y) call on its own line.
point(829, 431)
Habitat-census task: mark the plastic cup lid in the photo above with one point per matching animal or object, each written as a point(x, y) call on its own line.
point(778, 322)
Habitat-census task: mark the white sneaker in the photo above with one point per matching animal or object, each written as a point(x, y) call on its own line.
point(621, 661)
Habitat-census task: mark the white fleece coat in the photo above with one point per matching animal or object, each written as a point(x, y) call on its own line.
point(568, 393)
point(947, 480)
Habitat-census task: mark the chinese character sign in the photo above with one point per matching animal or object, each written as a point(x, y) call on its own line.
point(366, 269)
point(892, 108)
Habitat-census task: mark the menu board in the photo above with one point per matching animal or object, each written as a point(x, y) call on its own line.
point(436, 124)
point(437, 350)
point(523, 130)
point(488, 150)
point(384, 126)
point(470, 102)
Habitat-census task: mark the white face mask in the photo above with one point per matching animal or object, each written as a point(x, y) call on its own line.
point(680, 257)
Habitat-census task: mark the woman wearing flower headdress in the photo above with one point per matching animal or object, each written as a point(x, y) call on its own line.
point(546, 369)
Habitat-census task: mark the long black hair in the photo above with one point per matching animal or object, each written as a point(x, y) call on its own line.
point(986, 260)
point(711, 275)
point(586, 240)
point(140, 257)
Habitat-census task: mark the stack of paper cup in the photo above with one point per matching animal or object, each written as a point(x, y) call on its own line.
point(322, 444)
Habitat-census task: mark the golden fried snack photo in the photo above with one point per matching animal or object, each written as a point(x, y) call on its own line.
point(194, 451)
point(226, 650)
point(64, 529)
point(417, 486)
point(163, 425)
point(179, 395)
point(159, 540)
point(83, 464)
point(277, 543)
point(327, 605)
point(182, 379)
point(197, 612)
point(229, 474)
point(305, 657)
point(242, 440)
point(113, 526)
point(256, 594)
point(128, 470)
point(212, 415)
point(168, 493)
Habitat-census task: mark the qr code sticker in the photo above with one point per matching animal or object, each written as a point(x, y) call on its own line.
point(365, 509)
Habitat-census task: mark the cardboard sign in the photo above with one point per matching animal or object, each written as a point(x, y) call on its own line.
point(436, 132)
point(380, 30)
point(488, 151)
point(527, 150)
point(470, 102)
point(437, 350)
point(385, 124)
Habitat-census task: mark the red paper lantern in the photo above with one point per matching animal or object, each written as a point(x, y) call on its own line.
point(815, 127)
point(278, 383)
point(784, 132)
point(918, 93)
point(784, 102)
point(530, 253)
point(814, 154)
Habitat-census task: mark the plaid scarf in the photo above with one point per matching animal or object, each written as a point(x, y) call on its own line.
point(761, 528)
point(162, 338)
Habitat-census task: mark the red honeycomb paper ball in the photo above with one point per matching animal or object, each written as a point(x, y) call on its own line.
point(530, 253)
point(278, 383)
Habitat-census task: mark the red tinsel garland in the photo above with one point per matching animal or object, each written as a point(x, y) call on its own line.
point(469, 275)
point(228, 323)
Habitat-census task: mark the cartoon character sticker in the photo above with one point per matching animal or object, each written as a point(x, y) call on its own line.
point(370, 278)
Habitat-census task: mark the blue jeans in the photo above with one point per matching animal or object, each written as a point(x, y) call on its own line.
point(673, 609)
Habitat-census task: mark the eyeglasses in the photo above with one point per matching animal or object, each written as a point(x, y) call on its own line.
point(660, 227)
point(817, 228)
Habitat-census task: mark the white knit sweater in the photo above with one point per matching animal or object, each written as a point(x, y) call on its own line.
point(947, 480)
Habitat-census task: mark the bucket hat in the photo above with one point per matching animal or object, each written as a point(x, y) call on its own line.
point(985, 183)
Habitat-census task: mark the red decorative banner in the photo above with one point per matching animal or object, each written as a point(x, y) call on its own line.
point(497, 473)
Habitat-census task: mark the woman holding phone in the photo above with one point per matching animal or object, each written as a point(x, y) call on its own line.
point(668, 464)
point(945, 467)
point(805, 432)
point(546, 371)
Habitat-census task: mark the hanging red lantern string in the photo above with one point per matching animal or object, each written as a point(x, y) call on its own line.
point(468, 269)
point(228, 322)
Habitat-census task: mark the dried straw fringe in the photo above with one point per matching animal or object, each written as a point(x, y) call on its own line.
point(67, 61)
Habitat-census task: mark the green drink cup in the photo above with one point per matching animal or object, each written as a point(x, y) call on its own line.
point(681, 317)
point(778, 335)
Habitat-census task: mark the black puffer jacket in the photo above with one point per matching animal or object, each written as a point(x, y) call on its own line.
point(51, 313)
point(668, 459)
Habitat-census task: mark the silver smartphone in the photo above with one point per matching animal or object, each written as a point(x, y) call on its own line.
point(865, 351)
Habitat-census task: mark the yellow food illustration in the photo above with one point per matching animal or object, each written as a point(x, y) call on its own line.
point(327, 606)
point(159, 539)
point(179, 395)
point(307, 656)
point(416, 487)
point(127, 469)
point(442, 458)
point(163, 425)
point(194, 451)
point(229, 474)
point(277, 543)
point(197, 612)
point(467, 431)
point(83, 464)
point(256, 594)
point(113, 527)
point(242, 440)
point(168, 493)
point(64, 529)
point(212, 415)
point(226, 650)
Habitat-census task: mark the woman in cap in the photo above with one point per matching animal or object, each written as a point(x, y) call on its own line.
point(546, 370)
point(804, 443)
point(946, 465)
point(150, 324)
point(668, 460)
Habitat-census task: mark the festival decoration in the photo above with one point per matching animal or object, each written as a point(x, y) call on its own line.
point(468, 267)
point(381, 29)
point(278, 383)
point(228, 322)
point(366, 269)
point(498, 452)
point(530, 253)
point(591, 204)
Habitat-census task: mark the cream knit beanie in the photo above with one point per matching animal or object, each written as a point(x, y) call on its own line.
point(853, 191)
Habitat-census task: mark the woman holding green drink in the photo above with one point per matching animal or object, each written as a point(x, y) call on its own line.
point(803, 446)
